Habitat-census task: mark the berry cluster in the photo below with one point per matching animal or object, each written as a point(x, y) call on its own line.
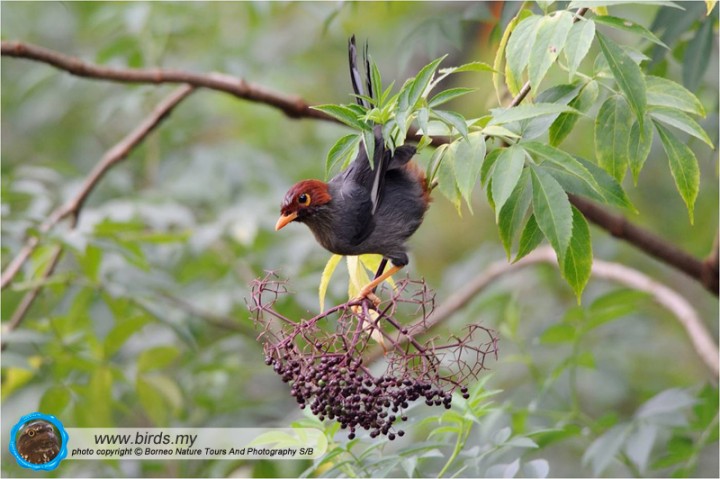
point(328, 371)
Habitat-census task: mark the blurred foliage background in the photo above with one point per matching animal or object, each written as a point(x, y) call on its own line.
point(145, 321)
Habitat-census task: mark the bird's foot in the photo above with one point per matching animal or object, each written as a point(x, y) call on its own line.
point(368, 295)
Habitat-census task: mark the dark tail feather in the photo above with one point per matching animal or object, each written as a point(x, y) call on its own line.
point(368, 76)
point(355, 76)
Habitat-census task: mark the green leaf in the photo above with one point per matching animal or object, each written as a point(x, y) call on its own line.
point(500, 54)
point(683, 166)
point(681, 121)
point(470, 67)
point(552, 210)
point(421, 81)
point(447, 179)
point(343, 114)
point(508, 168)
point(342, 152)
point(639, 147)
point(697, 53)
point(664, 92)
point(612, 136)
point(530, 238)
point(548, 154)
point(376, 81)
point(55, 400)
point(124, 328)
point(453, 119)
point(489, 165)
point(520, 46)
point(448, 95)
point(611, 3)
point(549, 42)
point(576, 265)
point(563, 125)
point(558, 333)
point(157, 358)
point(325, 278)
point(469, 155)
point(628, 26)
point(627, 75)
point(611, 190)
point(523, 112)
point(153, 402)
point(513, 212)
point(604, 449)
point(579, 41)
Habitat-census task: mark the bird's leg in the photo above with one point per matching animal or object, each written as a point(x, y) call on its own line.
point(368, 289)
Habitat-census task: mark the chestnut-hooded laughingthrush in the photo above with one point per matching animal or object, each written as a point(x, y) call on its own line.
point(364, 209)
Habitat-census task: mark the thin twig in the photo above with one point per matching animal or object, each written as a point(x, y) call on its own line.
point(73, 206)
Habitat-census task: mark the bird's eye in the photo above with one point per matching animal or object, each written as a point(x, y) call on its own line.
point(304, 199)
point(31, 433)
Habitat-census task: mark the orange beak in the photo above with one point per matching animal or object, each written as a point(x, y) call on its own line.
point(284, 220)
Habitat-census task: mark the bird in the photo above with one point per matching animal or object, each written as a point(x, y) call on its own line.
point(38, 443)
point(364, 209)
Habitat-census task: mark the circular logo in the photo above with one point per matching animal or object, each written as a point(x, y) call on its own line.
point(38, 441)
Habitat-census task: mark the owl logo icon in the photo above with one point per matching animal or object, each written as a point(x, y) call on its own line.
point(38, 441)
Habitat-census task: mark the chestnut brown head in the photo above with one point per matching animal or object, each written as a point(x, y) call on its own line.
point(301, 200)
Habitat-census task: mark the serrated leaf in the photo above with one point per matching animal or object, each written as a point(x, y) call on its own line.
point(489, 165)
point(513, 213)
point(530, 238)
point(447, 179)
point(612, 136)
point(563, 160)
point(421, 81)
point(453, 119)
point(664, 92)
point(552, 210)
point(506, 174)
point(500, 55)
point(342, 113)
point(627, 75)
point(611, 190)
point(576, 265)
point(579, 41)
point(448, 95)
point(681, 121)
point(325, 278)
point(628, 26)
point(549, 42)
point(341, 152)
point(563, 124)
point(519, 48)
point(524, 112)
point(469, 155)
point(683, 166)
point(639, 147)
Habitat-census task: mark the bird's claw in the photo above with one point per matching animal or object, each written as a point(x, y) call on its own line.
point(368, 295)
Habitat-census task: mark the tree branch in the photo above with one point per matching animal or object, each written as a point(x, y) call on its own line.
point(72, 207)
point(666, 297)
point(296, 107)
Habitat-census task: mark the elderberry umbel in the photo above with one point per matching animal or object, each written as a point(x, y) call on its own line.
point(328, 368)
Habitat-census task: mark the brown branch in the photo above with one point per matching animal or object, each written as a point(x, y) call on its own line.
point(295, 107)
point(72, 207)
point(682, 310)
